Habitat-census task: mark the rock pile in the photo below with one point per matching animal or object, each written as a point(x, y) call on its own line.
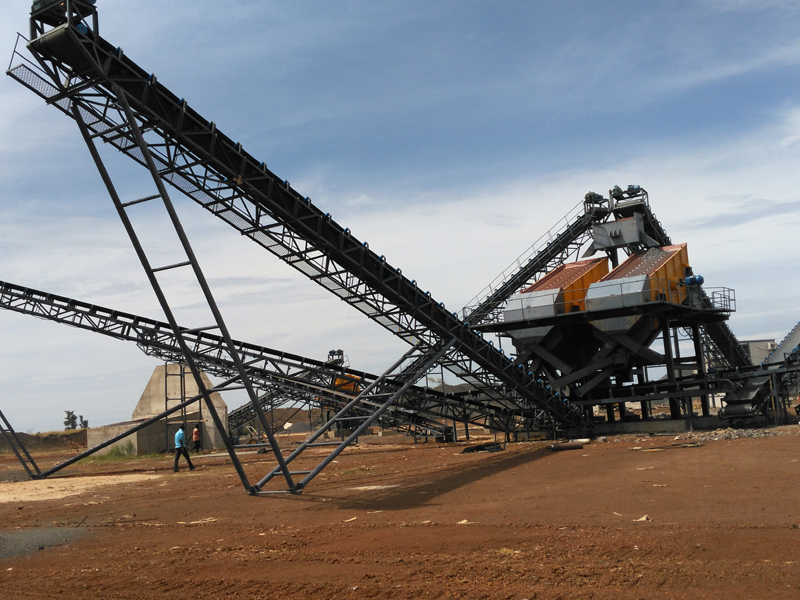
point(732, 434)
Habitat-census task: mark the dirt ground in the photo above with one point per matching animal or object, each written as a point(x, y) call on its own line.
point(634, 517)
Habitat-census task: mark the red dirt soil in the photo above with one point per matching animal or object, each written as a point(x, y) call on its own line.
point(721, 522)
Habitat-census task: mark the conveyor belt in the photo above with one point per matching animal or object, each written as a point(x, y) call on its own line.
point(552, 251)
point(288, 376)
point(214, 171)
point(724, 346)
point(295, 377)
point(754, 393)
point(786, 345)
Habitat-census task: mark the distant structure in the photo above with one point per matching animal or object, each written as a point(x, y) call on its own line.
point(758, 350)
point(169, 385)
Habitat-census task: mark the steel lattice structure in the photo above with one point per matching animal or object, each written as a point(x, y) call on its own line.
point(115, 101)
point(721, 346)
point(81, 73)
point(292, 377)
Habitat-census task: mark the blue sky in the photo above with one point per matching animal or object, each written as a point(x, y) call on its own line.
point(449, 135)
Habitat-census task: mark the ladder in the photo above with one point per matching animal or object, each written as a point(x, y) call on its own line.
point(170, 401)
point(19, 449)
point(187, 259)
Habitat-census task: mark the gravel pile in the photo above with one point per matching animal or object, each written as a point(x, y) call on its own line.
point(732, 434)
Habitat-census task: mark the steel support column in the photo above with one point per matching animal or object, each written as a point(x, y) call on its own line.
point(155, 284)
point(701, 365)
point(674, 406)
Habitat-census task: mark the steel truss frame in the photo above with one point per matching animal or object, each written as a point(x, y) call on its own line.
point(621, 356)
point(290, 376)
point(191, 154)
point(714, 340)
point(292, 400)
point(718, 344)
point(142, 425)
point(114, 100)
point(18, 448)
point(376, 391)
point(208, 187)
point(378, 398)
point(551, 250)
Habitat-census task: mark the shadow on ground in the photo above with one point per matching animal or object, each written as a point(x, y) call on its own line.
point(411, 494)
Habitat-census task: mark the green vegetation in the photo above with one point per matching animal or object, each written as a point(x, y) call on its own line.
point(121, 450)
point(66, 433)
point(119, 453)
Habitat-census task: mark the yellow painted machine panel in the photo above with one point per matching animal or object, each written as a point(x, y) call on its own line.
point(573, 279)
point(664, 267)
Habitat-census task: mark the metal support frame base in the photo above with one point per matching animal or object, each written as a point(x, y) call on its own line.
point(19, 449)
point(376, 391)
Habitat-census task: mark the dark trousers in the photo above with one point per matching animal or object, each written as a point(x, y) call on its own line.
point(185, 453)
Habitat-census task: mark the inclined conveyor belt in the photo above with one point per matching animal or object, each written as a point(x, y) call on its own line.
point(294, 376)
point(753, 395)
point(216, 172)
point(789, 343)
point(725, 347)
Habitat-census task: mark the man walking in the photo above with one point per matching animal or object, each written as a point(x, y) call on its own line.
point(180, 448)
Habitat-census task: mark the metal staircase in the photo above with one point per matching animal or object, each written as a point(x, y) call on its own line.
point(552, 249)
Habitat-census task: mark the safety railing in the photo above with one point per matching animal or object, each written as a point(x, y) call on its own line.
point(614, 294)
point(546, 238)
point(722, 298)
point(16, 53)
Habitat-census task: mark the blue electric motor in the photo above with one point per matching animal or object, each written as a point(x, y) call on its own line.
point(695, 280)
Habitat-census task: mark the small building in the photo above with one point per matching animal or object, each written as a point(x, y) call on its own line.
point(758, 350)
point(169, 385)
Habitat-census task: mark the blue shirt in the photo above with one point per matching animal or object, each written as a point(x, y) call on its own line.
point(179, 439)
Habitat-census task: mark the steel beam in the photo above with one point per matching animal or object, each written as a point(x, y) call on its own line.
point(210, 168)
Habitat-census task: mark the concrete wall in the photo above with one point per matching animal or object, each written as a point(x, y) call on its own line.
point(98, 435)
point(152, 439)
point(161, 387)
point(758, 350)
point(164, 392)
point(149, 440)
